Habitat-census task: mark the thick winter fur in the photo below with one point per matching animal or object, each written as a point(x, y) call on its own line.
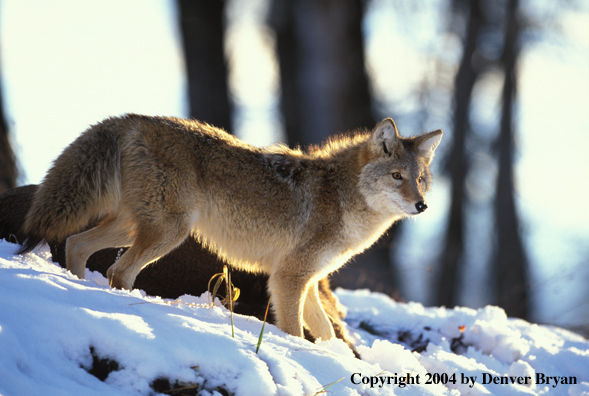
point(292, 215)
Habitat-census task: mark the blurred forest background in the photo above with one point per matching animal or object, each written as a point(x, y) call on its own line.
point(507, 81)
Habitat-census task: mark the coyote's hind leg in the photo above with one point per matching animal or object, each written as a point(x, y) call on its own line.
point(113, 231)
point(151, 242)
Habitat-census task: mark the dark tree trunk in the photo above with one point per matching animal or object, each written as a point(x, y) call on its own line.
point(325, 91)
point(447, 287)
point(323, 78)
point(8, 170)
point(202, 27)
point(511, 264)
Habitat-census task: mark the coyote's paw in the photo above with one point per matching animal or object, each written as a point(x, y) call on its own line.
point(117, 281)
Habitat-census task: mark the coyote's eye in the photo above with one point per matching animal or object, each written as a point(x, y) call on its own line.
point(397, 176)
point(421, 179)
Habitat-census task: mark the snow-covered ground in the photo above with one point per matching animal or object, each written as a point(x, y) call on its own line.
point(54, 328)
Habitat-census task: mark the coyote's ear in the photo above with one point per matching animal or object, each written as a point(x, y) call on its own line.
point(385, 138)
point(427, 144)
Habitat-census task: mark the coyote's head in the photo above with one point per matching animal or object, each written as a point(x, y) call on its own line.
point(396, 176)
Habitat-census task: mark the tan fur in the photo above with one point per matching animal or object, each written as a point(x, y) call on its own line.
point(295, 216)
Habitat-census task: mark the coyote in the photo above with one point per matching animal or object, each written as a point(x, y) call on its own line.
point(296, 216)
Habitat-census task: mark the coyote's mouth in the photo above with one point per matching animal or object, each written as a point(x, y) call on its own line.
point(405, 207)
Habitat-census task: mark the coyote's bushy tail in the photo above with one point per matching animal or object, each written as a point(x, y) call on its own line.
point(82, 186)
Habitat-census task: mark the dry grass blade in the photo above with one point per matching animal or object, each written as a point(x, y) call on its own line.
point(227, 275)
point(324, 390)
point(263, 325)
point(414, 367)
point(175, 302)
point(232, 292)
point(184, 388)
point(216, 287)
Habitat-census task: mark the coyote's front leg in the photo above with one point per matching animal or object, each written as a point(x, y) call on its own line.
point(287, 292)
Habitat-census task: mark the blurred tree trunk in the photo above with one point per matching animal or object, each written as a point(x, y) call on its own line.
point(510, 261)
point(202, 27)
point(325, 91)
point(8, 170)
point(323, 79)
point(468, 71)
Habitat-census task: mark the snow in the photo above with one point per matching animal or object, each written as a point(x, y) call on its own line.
point(51, 324)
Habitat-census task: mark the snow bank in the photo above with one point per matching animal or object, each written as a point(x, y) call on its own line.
point(53, 326)
point(485, 350)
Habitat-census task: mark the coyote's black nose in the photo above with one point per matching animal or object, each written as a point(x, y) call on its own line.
point(420, 206)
